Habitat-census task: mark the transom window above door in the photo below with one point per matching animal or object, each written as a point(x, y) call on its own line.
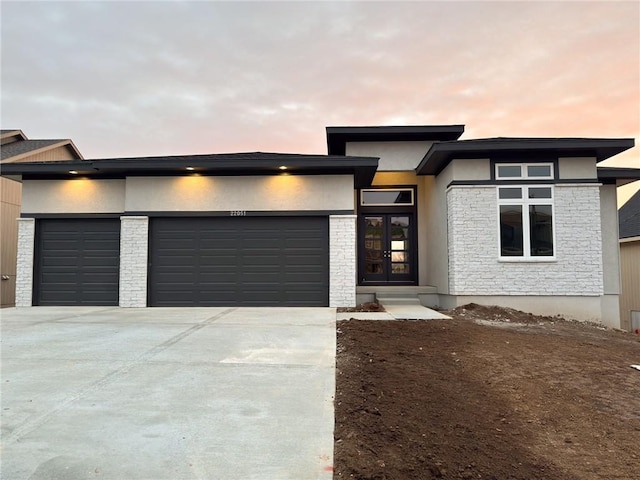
point(386, 197)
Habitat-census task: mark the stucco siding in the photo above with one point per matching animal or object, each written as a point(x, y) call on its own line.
point(474, 268)
point(437, 233)
point(251, 193)
point(470, 169)
point(610, 249)
point(78, 195)
point(577, 168)
point(394, 156)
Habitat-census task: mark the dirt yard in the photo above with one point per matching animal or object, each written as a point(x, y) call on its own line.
point(491, 394)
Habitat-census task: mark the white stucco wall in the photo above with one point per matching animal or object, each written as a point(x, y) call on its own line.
point(577, 168)
point(253, 193)
point(474, 268)
point(394, 156)
point(78, 195)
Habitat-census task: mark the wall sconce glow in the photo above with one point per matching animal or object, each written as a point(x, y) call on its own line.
point(73, 172)
point(282, 167)
point(190, 169)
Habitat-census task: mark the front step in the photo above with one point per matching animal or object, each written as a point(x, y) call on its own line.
point(397, 299)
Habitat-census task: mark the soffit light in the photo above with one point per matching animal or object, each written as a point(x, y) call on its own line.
point(73, 172)
point(190, 168)
point(282, 167)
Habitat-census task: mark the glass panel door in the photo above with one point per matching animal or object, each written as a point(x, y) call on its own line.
point(374, 251)
point(388, 252)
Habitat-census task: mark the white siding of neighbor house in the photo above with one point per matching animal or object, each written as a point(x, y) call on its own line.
point(24, 274)
point(474, 268)
point(342, 260)
point(134, 244)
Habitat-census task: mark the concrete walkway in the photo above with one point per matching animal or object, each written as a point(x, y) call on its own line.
point(396, 312)
point(167, 393)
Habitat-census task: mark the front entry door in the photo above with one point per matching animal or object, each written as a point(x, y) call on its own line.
point(388, 250)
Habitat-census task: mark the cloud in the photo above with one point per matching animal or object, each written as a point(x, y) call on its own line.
point(146, 78)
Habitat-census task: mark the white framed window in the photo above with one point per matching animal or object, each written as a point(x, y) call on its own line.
point(386, 197)
point(526, 223)
point(524, 171)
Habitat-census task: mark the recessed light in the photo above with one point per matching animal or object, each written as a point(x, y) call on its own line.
point(282, 167)
point(190, 168)
point(73, 172)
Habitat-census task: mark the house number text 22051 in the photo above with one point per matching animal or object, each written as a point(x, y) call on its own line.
point(238, 213)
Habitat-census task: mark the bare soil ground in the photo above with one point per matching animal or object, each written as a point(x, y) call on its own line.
point(492, 394)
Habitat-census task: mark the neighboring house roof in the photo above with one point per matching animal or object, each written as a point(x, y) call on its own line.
point(12, 132)
point(338, 137)
point(19, 149)
point(629, 217)
point(441, 153)
point(254, 163)
point(16, 147)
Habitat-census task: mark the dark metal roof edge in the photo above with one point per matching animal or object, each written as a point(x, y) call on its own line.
point(338, 136)
point(619, 173)
point(442, 152)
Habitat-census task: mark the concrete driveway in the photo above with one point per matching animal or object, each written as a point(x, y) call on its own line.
point(167, 393)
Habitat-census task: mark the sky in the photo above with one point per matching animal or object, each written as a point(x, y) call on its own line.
point(147, 78)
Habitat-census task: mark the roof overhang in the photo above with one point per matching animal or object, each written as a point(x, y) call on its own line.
point(440, 154)
point(239, 164)
point(619, 176)
point(338, 137)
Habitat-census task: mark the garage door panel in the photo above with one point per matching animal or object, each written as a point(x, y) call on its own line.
point(241, 261)
point(77, 262)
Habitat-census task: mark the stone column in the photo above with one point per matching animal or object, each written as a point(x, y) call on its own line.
point(24, 273)
point(342, 260)
point(134, 247)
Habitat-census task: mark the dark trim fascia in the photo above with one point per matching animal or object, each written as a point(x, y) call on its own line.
point(517, 149)
point(338, 137)
point(220, 213)
point(70, 215)
point(362, 168)
point(586, 181)
point(618, 173)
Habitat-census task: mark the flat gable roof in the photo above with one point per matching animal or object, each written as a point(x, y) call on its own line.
point(256, 163)
point(441, 153)
point(338, 137)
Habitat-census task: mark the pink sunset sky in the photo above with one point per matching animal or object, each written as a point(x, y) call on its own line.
point(163, 78)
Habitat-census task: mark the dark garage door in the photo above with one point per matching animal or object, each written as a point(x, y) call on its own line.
point(227, 261)
point(77, 262)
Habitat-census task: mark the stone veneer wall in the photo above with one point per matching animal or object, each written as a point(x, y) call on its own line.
point(24, 273)
point(342, 260)
point(474, 269)
point(134, 244)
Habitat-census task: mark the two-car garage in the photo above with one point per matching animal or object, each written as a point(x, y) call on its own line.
point(192, 261)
